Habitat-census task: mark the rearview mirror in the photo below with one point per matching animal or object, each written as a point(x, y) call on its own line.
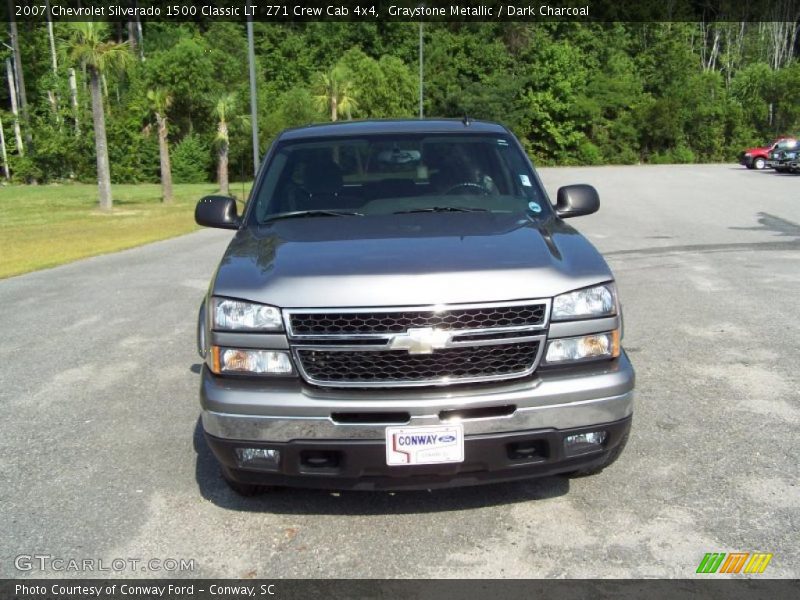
point(577, 200)
point(217, 211)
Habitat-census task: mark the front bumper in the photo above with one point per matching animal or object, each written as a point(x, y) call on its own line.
point(299, 418)
point(282, 411)
point(787, 165)
point(361, 464)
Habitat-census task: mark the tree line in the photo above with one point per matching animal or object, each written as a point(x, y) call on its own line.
point(152, 101)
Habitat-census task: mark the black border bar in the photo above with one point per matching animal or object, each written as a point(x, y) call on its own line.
point(376, 11)
point(715, 587)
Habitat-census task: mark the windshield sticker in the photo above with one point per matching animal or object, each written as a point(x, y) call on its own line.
point(502, 142)
point(534, 207)
point(525, 181)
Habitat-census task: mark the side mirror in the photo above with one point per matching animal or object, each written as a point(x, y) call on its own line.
point(217, 211)
point(577, 200)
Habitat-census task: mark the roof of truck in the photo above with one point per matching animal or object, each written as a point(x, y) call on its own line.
point(378, 126)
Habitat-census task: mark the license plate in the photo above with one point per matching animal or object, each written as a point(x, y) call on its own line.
point(431, 445)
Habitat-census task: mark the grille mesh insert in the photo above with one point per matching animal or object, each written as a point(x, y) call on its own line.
point(377, 322)
point(398, 366)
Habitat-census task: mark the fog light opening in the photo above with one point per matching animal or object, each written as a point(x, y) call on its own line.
point(581, 443)
point(258, 457)
point(320, 459)
point(533, 450)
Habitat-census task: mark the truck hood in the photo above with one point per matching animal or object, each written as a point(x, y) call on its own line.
point(412, 259)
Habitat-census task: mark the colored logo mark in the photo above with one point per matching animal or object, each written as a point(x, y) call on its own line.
point(734, 562)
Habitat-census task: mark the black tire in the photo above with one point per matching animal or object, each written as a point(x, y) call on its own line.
point(759, 163)
point(749, 165)
point(246, 490)
point(608, 460)
point(780, 169)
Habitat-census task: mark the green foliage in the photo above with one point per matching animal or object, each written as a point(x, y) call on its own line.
point(60, 154)
point(191, 160)
point(753, 90)
point(186, 70)
point(554, 119)
point(678, 155)
point(335, 92)
point(24, 169)
point(589, 154)
point(574, 93)
point(294, 108)
point(132, 152)
point(384, 88)
point(89, 47)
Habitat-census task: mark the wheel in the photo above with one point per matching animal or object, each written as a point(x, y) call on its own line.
point(246, 490)
point(759, 163)
point(608, 460)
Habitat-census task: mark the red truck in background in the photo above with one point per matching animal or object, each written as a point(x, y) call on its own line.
point(757, 158)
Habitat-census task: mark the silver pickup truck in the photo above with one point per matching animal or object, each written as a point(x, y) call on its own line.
point(402, 306)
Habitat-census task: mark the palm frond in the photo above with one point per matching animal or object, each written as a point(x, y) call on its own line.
point(160, 100)
point(87, 45)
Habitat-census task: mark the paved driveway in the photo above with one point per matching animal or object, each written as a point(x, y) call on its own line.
point(100, 455)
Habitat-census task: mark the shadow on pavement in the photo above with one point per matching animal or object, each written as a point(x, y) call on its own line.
point(321, 502)
point(767, 223)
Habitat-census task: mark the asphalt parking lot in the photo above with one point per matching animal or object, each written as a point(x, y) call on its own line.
point(100, 455)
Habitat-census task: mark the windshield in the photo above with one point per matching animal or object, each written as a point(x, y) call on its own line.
point(383, 174)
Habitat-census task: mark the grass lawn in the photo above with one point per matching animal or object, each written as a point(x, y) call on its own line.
point(48, 225)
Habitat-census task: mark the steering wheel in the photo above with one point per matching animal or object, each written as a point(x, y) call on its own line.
point(468, 185)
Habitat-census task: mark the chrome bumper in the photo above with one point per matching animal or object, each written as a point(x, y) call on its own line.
point(248, 410)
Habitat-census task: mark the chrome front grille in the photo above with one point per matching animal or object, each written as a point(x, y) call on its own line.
point(417, 346)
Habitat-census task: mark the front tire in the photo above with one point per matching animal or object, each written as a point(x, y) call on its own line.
point(246, 490)
point(759, 163)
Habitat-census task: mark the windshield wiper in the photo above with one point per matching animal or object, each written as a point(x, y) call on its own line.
point(296, 214)
point(440, 209)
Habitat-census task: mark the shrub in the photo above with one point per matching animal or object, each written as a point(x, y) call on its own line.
point(191, 160)
point(24, 169)
point(589, 154)
point(682, 155)
point(674, 156)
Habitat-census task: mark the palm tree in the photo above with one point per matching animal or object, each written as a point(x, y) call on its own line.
point(160, 101)
point(223, 111)
point(20, 76)
point(226, 113)
point(334, 92)
point(89, 46)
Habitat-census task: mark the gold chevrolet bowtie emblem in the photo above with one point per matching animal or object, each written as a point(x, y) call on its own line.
point(421, 340)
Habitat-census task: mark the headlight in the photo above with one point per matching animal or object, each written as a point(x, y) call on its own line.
point(596, 345)
point(747, 154)
point(236, 315)
point(595, 301)
point(250, 362)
